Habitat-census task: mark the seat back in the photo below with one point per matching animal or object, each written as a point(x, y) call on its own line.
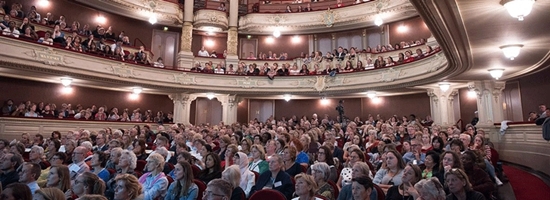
point(380, 192)
point(321, 197)
point(267, 194)
point(304, 168)
point(335, 188)
point(170, 180)
point(196, 171)
point(256, 176)
point(140, 165)
point(201, 186)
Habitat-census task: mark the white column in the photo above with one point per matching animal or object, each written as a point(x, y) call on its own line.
point(489, 101)
point(182, 107)
point(441, 106)
point(229, 108)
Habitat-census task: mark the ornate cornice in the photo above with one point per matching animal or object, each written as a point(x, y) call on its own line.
point(24, 58)
point(350, 17)
point(211, 18)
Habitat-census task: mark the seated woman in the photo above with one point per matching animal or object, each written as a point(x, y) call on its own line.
point(411, 175)
point(431, 166)
point(356, 155)
point(379, 62)
point(289, 158)
point(233, 176)
point(363, 187)
point(37, 156)
point(229, 153)
point(139, 149)
point(305, 187)
point(408, 56)
point(98, 162)
point(247, 177)
point(86, 183)
point(49, 193)
point(258, 163)
point(459, 186)
point(118, 54)
point(212, 169)
point(392, 173)
point(321, 174)
point(129, 188)
point(60, 178)
point(154, 182)
point(28, 33)
point(449, 160)
point(430, 189)
point(183, 187)
point(479, 179)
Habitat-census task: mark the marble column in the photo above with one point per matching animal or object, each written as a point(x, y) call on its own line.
point(229, 107)
point(232, 35)
point(489, 101)
point(441, 106)
point(185, 56)
point(182, 107)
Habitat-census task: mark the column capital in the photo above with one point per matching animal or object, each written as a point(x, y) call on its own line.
point(182, 98)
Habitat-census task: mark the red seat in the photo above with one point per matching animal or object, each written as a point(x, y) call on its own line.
point(256, 176)
point(196, 171)
point(380, 192)
point(138, 173)
point(321, 197)
point(267, 194)
point(201, 186)
point(41, 33)
point(170, 165)
point(371, 168)
point(111, 171)
point(335, 188)
point(170, 179)
point(304, 168)
point(494, 157)
point(140, 165)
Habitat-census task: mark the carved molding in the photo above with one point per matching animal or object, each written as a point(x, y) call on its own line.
point(211, 18)
point(167, 12)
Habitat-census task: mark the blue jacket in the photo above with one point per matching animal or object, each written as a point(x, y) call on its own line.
point(192, 193)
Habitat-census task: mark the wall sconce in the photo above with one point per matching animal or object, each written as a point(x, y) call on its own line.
point(210, 96)
point(378, 20)
point(277, 32)
point(444, 86)
point(100, 19)
point(371, 94)
point(137, 90)
point(511, 51)
point(518, 8)
point(287, 97)
point(66, 81)
point(324, 101)
point(496, 73)
point(153, 18)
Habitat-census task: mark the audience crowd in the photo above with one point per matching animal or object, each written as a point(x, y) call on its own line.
point(101, 113)
point(73, 36)
point(294, 158)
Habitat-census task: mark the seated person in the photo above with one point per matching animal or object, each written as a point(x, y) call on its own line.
point(275, 178)
point(203, 53)
point(11, 30)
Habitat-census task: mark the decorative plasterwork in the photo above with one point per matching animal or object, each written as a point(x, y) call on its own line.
point(168, 13)
point(47, 56)
point(361, 15)
point(211, 18)
point(100, 70)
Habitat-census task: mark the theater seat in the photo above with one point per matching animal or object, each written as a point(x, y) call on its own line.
point(140, 165)
point(267, 194)
point(201, 186)
point(256, 176)
point(380, 192)
point(335, 188)
point(170, 179)
point(196, 171)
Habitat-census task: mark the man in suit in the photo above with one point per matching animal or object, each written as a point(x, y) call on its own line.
point(100, 142)
point(340, 55)
point(275, 178)
point(8, 108)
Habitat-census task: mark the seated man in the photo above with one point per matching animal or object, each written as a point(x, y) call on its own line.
point(78, 166)
point(29, 174)
point(8, 164)
point(203, 53)
point(218, 188)
point(415, 155)
point(275, 178)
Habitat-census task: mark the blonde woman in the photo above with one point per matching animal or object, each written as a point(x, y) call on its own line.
point(232, 175)
point(258, 163)
point(305, 187)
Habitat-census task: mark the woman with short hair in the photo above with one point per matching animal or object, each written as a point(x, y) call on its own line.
point(233, 176)
point(460, 187)
point(305, 187)
point(98, 166)
point(321, 173)
point(362, 187)
point(430, 189)
point(154, 182)
point(127, 188)
point(183, 187)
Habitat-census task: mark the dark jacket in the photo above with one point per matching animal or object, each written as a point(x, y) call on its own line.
point(282, 183)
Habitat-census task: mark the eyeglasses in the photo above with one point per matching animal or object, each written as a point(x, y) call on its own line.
point(210, 194)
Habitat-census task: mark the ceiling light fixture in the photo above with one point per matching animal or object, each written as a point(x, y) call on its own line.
point(378, 20)
point(444, 86)
point(210, 96)
point(324, 101)
point(511, 51)
point(287, 97)
point(137, 90)
point(371, 94)
point(277, 33)
point(519, 8)
point(153, 18)
point(66, 81)
point(496, 73)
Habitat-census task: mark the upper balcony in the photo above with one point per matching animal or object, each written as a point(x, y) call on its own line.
point(30, 60)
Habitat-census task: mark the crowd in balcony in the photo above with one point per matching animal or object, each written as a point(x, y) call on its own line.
point(79, 112)
point(285, 158)
point(74, 37)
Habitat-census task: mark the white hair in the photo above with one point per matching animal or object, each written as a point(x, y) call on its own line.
point(430, 187)
point(162, 151)
point(87, 144)
point(38, 150)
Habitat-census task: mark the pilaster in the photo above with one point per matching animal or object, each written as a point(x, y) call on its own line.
point(182, 106)
point(441, 106)
point(229, 107)
point(489, 101)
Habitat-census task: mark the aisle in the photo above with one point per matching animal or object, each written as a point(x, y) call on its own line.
point(525, 185)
